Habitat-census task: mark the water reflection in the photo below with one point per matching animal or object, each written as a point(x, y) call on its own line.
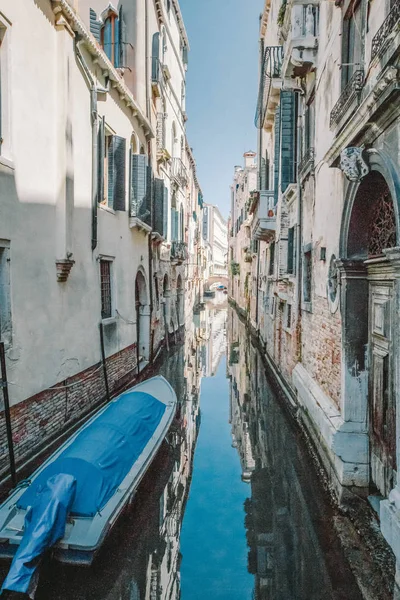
point(293, 549)
point(256, 524)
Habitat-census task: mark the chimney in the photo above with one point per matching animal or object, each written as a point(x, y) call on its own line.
point(249, 159)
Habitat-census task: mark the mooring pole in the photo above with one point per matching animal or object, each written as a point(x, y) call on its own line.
point(103, 358)
point(4, 387)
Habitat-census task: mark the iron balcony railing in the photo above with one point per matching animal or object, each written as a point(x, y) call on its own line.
point(179, 172)
point(388, 26)
point(307, 161)
point(350, 92)
point(179, 251)
point(271, 68)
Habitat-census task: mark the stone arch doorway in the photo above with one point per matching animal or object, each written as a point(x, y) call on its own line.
point(369, 272)
point(179, 302)
point(142, 317)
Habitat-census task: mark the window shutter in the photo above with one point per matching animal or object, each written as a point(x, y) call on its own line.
point(107, 46)
point(165, 213)
point(277, 146)
point(283, 242)
point(158, 206)
point(147, 216)
point(288, 139)
point(94, 25)
point(262, 174)
point(290, 262)
point(100, 164)
point(155, 57)
point(122, 39)
point(185, 55)
point(176, 217)
point(138, 191)
point(119, 153)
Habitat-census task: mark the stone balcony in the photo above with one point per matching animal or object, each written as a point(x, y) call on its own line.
point(264, 217)
point(300, 32)
point(270, 86)
point(179, 253)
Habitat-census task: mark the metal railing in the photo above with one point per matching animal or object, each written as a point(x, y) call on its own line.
point(271, 69)
point(307, 161)
point(179, 171)
point(179, 251)
point(350, 92)
point(387, 27)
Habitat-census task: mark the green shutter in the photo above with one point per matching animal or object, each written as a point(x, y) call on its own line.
point(290, 258)
point(277, 147)
point(155, 58)
point(288, 139)
point(138, 191)
point(100, 163)
point(147, 216)
point(94, 25)
point(118, 164)
point(165, 213)
point(122, 39)
point(158, 206)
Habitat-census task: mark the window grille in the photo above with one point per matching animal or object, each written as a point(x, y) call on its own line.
point(105, 285)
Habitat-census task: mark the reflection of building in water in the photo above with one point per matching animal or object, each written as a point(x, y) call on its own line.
point(290, 555)
point(214, 327)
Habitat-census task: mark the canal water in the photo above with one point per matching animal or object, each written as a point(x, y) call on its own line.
point(231, 508)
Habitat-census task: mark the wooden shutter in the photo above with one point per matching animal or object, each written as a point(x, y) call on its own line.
point(107, 38)
point(138, 191)
point(288, 139)
point(158, 206)
point(147, 216)
point(290, 261)
point(185, 55)
point(176, 217)
point(155, 57)
point(122, 39)
point(100, 162)
point(116, 164)
point(165, 213)
point(283, 242)
point(94, 25)
point(277, 147)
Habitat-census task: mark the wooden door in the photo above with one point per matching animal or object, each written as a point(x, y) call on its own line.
point(381, 393)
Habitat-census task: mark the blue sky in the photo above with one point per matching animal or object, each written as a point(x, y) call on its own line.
point(222, 89)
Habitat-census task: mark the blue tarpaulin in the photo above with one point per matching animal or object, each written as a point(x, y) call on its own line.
point(103, 453)
point(44, 526)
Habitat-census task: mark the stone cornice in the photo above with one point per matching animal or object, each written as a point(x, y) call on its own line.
point(63, 10)
point(387, 82)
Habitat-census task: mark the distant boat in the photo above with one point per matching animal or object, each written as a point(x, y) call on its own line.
point(107, 457)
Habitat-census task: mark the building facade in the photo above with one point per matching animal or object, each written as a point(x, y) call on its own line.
point(326, 219)
point(215, 234)
point(98, 204)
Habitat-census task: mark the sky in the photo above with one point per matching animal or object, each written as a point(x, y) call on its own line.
point(222, 88)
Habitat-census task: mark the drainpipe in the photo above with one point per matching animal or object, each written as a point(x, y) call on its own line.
point(146, 35)
point(94, 116)
point(259, 179)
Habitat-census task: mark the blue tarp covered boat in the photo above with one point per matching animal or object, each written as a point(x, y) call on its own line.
point(107, 459)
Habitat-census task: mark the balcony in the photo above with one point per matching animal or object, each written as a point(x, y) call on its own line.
point(300, 30)
point(270, 85)
point(179, 253)
point(306, 165)
point(179, 172)
point(140, 214)
point(386, 32)
point(264, 217)
point(349, 97)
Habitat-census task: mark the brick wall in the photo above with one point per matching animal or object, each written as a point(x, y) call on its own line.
point(321, 346)
point(38, 420)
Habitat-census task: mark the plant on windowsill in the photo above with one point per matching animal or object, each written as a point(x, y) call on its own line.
point(235, 268)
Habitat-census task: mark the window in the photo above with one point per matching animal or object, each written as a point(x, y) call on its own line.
point(288, 319)
point(291, 251)
point(307, 277)
point(112, 36)
point(352, 42)
point(106, 289)
point(271, 258)
point(111, 169)
point(309, 125)
point(5, 295)
point(157, 290)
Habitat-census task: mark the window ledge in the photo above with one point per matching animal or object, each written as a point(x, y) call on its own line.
point(6, 162)
point(306, 306)
point(106, 208)
point(109, 321)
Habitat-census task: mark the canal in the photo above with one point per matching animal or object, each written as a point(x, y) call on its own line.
point(232, 507)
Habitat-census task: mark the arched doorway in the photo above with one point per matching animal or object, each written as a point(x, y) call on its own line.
point(369, 275)
point(142, 318)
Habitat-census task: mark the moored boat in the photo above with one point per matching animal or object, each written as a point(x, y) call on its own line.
point(107, 457)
